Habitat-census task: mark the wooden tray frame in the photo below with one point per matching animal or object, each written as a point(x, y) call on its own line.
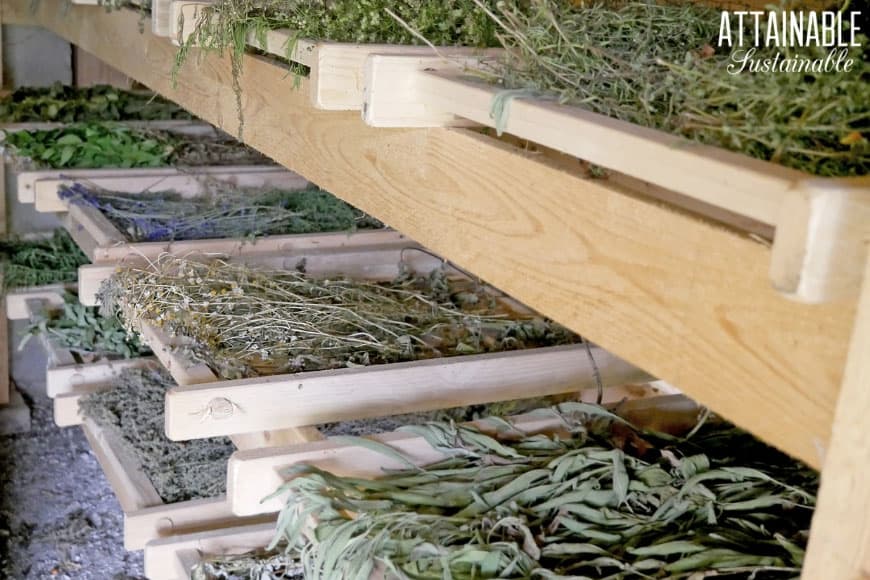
point(41, 187)
point(337, 69)
point(67, 379)
point(429, 91)
point(104, 244)
point(146, 516)
point(172, 558)
point(204, 406)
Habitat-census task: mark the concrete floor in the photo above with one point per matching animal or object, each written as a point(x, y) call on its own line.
point(58, 516)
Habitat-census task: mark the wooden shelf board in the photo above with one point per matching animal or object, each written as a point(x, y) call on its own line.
point(687, 300)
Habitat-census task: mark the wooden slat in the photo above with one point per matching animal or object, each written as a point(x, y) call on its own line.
point(182, 126)
point(840, 536)
point(66, 406)
point(146, 517)
point(16, 300)
point(193, 516)
point(288, 245)
point(65, 379)
point(282, 401)
point(256, 474)
point(735, 182)
point(130, 484)
point(683, 298)
point(189, 184)
point(172, 558)
point(26, 180)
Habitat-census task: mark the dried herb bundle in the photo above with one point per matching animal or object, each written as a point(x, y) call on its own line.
point(83, 331)
point(243, 321)
point(720, 503)
point(39, 262)
point(134, 409)
point(262, 565)
point(653, 64)
point(165, 216)
point(93, 145)
point(65, 104)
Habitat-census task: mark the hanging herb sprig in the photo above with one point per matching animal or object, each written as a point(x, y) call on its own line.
point(554, 507)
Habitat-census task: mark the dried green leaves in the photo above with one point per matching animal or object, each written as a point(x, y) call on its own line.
point(543, 507)
point(83, 331)
point(39, 262)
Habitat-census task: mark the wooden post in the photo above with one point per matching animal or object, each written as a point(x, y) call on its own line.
point(4, 347)
point(840, 539)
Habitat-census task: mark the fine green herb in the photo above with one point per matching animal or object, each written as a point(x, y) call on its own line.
point(220, 213)
point(653, 64)
point(244, 321)
point(83, 331)
point(134, 410)
point(645, 62)
point(64, 104)
point(53, 260)
point(578, 506)
point(225, 25)
point(95, 145)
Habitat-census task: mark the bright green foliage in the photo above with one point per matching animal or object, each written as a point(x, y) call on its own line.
point(98, 145)
point(64, 104)
point(38, 262)
point(82, 330)
point(93, 145)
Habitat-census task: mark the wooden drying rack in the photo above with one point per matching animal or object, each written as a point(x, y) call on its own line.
point(650, 269)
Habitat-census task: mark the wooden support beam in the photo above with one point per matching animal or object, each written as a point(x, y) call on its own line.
point(840, 539)
point(685, 299)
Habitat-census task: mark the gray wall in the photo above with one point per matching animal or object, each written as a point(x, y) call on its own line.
point(33, 56)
